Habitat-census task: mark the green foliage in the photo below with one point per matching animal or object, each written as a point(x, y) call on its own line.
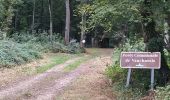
point(131, 93)
point(22, 48)
point(163, 93)
point(130, 45)
point(155, 44)
point(39, 42)
point(41, 37)
point(115, 72)
point(42, 43)
point(74, 47)
point(12, 53)
point(110, 14)
point(134, 46)
point(139, 79)
point(6, 14)
point(167, 56)
point(137, 85)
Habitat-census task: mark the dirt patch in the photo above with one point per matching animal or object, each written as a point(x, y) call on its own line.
point(92, 84)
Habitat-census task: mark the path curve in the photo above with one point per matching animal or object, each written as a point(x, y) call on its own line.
point(87, 82)
point(16, 89)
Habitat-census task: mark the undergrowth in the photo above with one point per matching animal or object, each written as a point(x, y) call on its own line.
point(163, 93)
point(118, 75)
point(21, 48)
point(140, 78)
point(12, 53)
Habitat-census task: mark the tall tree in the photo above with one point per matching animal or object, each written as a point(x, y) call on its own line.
point(84, 10)
point(67, 24)
point(6, 14)
point(51, 21)
point(83, 22)
point(33, 17)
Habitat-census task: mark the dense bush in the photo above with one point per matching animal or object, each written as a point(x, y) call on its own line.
point(155, 44)
point(21, 47)
point(74, 47)
point(41, 37)
point(163, 93)
point(12, 53)
point(42, 42)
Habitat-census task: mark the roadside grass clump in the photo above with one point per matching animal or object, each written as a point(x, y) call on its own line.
point(58, 59)
point(12, 53)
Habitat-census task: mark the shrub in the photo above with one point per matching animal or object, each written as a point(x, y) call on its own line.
point(155, 44)
point(163, 93)
point(12, 53)
point(133, 46)
point(21, 48)
point(74, 47)
point(41, 42)
point(40, 38)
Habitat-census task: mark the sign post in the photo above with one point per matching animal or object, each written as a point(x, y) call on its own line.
point(128, 77)
point(152, 79)
point(140, 60)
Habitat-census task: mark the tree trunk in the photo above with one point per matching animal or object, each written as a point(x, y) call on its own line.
point(166, 35)
point(51, 22)
point(42, 14)
point(67, 25)
point(33, 17)
point(7, 19)
point(83, 30)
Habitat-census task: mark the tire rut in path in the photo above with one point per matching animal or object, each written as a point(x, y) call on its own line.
point(35, 83)
point(91, 84)
point(63, 82)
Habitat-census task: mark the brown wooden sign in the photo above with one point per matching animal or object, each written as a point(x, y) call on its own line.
point(140, 60)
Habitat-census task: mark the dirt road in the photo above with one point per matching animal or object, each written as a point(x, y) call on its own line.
point(86, 82)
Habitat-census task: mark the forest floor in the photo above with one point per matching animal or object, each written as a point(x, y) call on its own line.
point(81, 77)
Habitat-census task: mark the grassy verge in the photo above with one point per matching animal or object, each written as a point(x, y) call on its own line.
point(58, 59)
point(75, 64)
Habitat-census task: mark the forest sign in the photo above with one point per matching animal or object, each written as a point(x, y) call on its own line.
point(140, 60)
